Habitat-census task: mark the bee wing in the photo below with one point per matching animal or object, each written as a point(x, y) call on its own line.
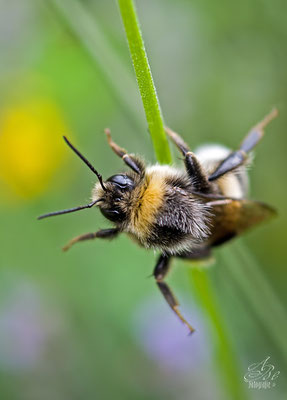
point(237, 216)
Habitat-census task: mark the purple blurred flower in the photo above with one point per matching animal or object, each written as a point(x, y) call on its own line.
point(165, 339)
point(26, 325)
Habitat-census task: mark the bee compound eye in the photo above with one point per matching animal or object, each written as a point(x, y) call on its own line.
point(122, 181)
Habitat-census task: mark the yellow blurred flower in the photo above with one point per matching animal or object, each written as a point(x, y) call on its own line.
point(31, 148)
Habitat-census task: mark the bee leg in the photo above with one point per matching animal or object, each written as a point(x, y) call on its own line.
point(160, 271)
point(192, 165)
point(103, 234)
point(238, 157)
point(131, 161)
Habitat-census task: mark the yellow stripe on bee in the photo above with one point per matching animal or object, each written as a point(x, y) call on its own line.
point(147, 205)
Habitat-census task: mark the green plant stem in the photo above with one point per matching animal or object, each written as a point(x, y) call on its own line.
point(145, 80)
point(224, 353)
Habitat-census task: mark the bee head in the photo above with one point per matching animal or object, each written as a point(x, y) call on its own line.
point(116, 197)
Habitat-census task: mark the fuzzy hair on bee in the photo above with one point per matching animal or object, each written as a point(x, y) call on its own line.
point(159, 210)
point(181, 213)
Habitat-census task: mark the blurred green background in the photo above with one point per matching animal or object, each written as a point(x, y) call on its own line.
point(89, 324)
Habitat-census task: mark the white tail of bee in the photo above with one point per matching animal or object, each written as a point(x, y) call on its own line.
point(233, 184)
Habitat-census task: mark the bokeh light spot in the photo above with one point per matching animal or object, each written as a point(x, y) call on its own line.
point(31, 149)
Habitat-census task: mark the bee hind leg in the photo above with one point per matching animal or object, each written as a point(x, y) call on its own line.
point(160, 271)
point(238, 157)
point(128, 159)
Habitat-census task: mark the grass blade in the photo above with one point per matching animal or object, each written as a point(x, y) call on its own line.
point(109, 66)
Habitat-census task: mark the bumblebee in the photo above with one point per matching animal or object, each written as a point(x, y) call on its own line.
point(178, 212)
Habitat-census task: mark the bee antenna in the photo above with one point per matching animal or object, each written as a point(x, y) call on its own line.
point(69, 210)
point(99, 176)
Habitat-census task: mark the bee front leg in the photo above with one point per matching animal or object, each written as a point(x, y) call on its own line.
point(102, 234)
point(160, 271)
point(192, 165)
point(128, 159)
